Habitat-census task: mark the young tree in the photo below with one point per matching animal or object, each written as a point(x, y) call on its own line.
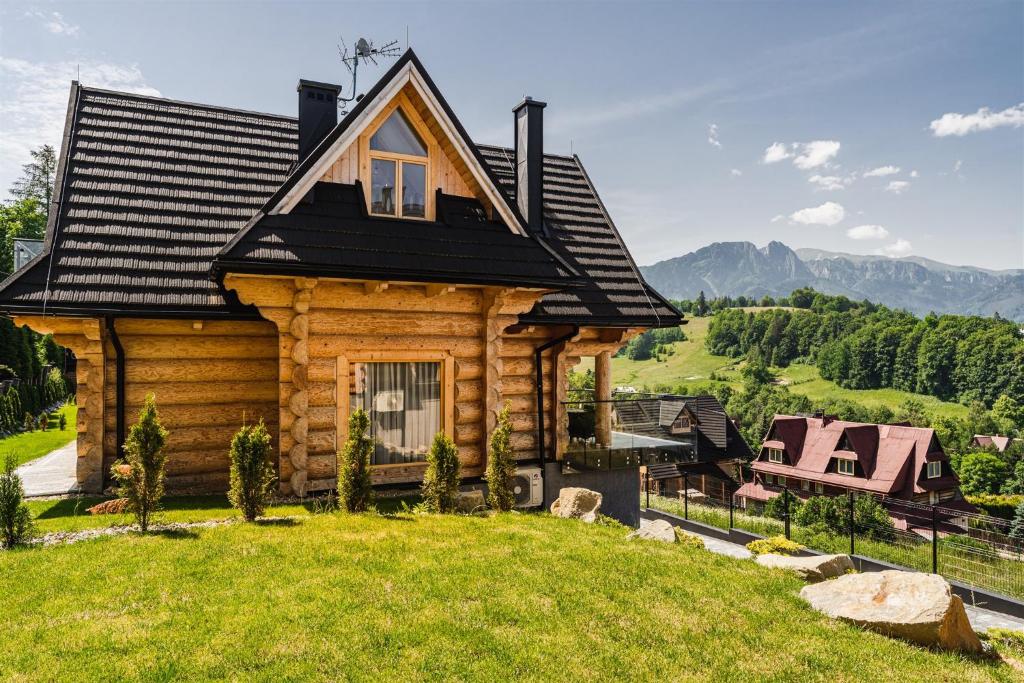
point(37, 177)
point(252, 475)
point(701, 304)
point(501, 466)
point(15, 519)
point(355, 492)
point(140, 473)
point(1017, 528)
point(981, 472)
point(441, 481)
point(24, 218)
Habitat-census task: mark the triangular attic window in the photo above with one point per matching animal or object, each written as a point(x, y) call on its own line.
point(395, 135)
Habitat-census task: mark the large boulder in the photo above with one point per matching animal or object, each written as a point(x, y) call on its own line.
point(658, 530)
point(813, 569)
point(577, 503)
point(917, 607)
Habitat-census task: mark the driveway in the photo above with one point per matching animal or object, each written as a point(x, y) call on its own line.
point(53, 474)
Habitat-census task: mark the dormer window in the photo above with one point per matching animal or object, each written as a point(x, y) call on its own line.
point(934, 469)
point(845, 467)
point(774, 455)
point(398, 169)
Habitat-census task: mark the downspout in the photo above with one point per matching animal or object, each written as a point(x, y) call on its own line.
point(539, 369)
point(119, 380)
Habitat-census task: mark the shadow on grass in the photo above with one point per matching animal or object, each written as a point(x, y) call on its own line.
point(176, 534)
point(281, 521)
point(70, 507)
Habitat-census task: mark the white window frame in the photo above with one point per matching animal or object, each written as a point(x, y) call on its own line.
point(774, 455)
point(819, 487)
point(805, 485)
point(937, 472)
point(842, 464)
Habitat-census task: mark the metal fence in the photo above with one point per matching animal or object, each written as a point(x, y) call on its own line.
point(971, 548)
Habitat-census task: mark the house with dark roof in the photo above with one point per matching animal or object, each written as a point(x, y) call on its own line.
point(241, 265)
point(821, 455)
point(999, 443)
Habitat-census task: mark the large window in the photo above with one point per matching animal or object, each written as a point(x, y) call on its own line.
point(403, 401)
point(398, 169)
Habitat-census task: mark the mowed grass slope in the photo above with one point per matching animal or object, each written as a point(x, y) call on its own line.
point(423, 597)
point(691, 364)
point(28, 446)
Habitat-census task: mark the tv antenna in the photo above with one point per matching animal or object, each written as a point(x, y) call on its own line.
point(367, 53)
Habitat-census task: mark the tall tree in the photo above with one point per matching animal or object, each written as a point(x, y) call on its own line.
point(37, 177)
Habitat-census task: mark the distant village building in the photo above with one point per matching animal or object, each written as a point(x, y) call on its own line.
point(1001, 443)
point(824, 456)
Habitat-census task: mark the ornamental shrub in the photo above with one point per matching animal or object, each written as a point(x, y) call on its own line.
point(140, 473)
point(689, 540)
point(252, 475)
point(776, 507)
point(62, 422)
point(15, 520)
point(501, 466)
point(441, 481)
point(779, 545)
point(355, 492)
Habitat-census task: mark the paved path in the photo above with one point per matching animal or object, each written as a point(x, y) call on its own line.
point(51, 475)
point(981, 619)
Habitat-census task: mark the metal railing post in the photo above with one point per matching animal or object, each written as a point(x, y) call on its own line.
point(785, 509)
point(853, 533)
point(686, 496)
point(935, 543)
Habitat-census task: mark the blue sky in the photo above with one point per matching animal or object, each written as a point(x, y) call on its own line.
point(889, 128)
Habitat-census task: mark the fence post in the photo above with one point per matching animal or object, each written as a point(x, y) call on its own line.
point(647, 487)
point(853, 531)
point(935, 543)
point(785, 509)
point(686, 495)
point(732, 504)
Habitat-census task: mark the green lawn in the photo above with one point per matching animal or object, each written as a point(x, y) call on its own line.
point(425, 597)
point(31, 445)
point(690, 364)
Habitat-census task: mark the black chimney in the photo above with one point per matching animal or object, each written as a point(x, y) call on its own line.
point(318, 113)
point(529, 132)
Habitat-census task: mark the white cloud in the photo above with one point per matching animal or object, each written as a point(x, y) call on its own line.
point(35, 103)
point(958, 165)
point(882, 171)
point(983, 119)
point(897, 186)
point(867, 232)
point(713, 136)
point(54, 23)
point(830, 182)
point(900, 247)
point(827, 214)
point(914, 174)
point(777, 151)
point(816, 153)
point(735, 173)
point(778, 218)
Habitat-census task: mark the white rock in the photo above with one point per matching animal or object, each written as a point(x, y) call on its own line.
point(658, 530)
point(917, 607)
point(577, 503)
point(814, 569)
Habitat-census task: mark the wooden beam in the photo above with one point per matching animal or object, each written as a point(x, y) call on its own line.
point(374, 286)
point(439, 290)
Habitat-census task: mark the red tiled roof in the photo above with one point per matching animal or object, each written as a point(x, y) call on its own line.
point(755, 491)
point(1000, 442)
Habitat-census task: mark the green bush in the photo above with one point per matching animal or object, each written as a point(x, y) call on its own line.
point(778, 545)
point(996, 505)
point(776, 507)
point(252, 475)
point(689, 540)
point(140, 473)
point(15, 520)
point(62, 422)
point(355, 492)
point(441, 481)
point(501, 466)
point(29, 423)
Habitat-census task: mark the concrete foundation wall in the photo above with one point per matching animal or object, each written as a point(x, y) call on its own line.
point(620, 489)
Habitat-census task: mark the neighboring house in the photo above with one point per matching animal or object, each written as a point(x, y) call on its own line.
point(241, 266)
point(25, 250)
point(825, 456)
point(1000, 443)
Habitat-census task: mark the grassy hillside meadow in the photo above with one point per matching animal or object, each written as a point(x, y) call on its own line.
point(691, 364)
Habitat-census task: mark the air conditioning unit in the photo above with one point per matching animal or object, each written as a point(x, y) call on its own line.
point(528, 487)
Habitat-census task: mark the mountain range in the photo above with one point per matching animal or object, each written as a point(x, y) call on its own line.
point(914, 283)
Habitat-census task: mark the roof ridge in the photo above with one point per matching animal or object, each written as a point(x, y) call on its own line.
point(185, 103)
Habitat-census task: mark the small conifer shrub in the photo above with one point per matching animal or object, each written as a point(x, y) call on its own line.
point(140, 473)
point(15, 519)
point(501, 466)
point(252, 474)
point(355, 493)
point(441, 481)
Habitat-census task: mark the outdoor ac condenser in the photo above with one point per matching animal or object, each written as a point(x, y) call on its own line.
point(528, 487)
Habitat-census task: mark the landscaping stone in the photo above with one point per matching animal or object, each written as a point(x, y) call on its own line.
point(813, 569)
point(917, 607)
point(470, 501)
point(577, 503)
point(658, 530)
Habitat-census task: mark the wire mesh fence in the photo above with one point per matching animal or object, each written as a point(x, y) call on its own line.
point(974, 549)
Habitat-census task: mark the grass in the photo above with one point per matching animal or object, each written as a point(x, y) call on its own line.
point(690, 364)
point(28, 446)
point(427, 597)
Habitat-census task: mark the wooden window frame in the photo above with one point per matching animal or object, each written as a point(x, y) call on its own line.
point(367, 155)
point(775, 455)
point(839, 467)
point(343, 370)
point(928, 469)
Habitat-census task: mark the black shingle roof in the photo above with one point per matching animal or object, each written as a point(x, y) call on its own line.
point(150, 190)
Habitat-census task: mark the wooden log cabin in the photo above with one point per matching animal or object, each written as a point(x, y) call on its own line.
point(241, 265)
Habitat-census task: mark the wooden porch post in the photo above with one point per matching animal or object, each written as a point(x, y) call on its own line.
point(603, 392)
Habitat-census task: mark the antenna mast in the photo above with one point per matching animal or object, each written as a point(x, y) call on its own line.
point(366, 52)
